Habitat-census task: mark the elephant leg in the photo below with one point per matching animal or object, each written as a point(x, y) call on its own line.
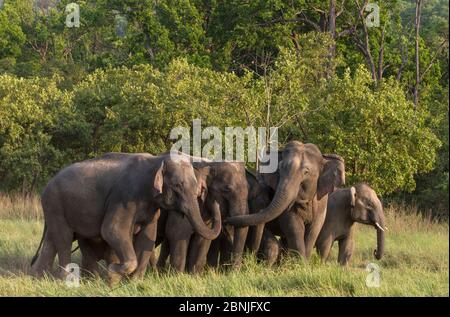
point(346, 246)
point(255, 238)
point(226, 247)
point(144, 246)
point(240, 235)
point(270, 247)
point(213, 253)
point(62, 237)
point(116, 231)
point(293, 229)
point(198, 251)
point(313, 231)
point(324, 247)
point(46, 257)
point(89, 258)
point(163, 254)
point(178, 233)
point(153, 261)
point(178, 253)
point(283, 242)
point(111, 256)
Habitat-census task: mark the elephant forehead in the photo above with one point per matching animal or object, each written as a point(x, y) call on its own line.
point(312, 150)
point(182, 167)
point(366, 191)
point(187, 170)
point(179, 158)
point(305, 151)
point(233, 169)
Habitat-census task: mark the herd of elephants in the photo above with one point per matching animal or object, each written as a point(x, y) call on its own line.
point(120, 207)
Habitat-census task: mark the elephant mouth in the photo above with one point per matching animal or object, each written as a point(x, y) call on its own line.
point(304, 210)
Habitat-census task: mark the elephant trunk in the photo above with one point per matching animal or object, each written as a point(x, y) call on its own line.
point(284, 196)
point(201, 228)
point(381, 228)
point(217, 218)
point(380, 244)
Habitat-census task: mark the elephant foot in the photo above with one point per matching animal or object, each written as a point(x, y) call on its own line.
point(236, 265)
point(90, 274)
point(113, 278)
point(37, 273)
point(196, 270)
point(125, 268)
point(62, 274)
point(138, 274)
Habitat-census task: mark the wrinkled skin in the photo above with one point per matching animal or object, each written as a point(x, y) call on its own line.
point(105, 198)
point(224, 193)
point(259, 197)
point(95, 250)
point(346, 207)
point(302, 182)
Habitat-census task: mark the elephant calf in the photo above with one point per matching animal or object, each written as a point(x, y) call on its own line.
point(345, 207)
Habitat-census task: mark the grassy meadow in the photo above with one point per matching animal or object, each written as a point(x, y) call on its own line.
point(416, 263)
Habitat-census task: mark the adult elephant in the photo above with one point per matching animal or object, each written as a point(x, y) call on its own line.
point(224, 193)
point(301, 185)
point(259, 197)
point(107, 197)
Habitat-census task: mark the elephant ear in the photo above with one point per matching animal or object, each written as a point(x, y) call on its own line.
point(271, 179)
point(202, 174)
point(202, 189)
point(332, 175)
point(158, 181)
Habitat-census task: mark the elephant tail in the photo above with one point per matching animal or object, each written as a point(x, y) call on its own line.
point(40, 246)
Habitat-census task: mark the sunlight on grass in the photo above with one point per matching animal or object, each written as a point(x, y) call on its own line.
point(415, 264)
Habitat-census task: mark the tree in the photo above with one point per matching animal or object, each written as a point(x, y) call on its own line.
point(38, 132)
point(375, 128)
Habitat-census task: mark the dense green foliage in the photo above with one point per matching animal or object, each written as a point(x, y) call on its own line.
point(68, 94)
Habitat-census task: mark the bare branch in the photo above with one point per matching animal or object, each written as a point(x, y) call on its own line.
point(433, 59)
point(342, 9)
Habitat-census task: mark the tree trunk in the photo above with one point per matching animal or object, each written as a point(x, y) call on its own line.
point(332, 31)
point(332, 19)
point(417, 28)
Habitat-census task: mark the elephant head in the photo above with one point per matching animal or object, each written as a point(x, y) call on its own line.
point(366, 208)
point(229, 188)
point(176, 188)
point(303, 173)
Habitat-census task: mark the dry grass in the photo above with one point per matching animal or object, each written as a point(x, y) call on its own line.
point(416, 263)
point(21, 207)
point(402, 217)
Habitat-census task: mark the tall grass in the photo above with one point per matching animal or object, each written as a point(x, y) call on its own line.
point(416, 263)
point(17, 206)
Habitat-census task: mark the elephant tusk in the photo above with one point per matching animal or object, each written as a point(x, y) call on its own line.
point(385, 228)
point(378, 226)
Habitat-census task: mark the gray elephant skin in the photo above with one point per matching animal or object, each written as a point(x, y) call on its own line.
point(224, 191)
point(358, 204)
point(106, 198)
point(301, 185)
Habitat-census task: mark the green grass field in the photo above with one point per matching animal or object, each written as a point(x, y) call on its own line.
point(416, 263)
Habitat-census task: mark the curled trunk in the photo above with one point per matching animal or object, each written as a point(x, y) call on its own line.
point(283, 198)
point(201, 228)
